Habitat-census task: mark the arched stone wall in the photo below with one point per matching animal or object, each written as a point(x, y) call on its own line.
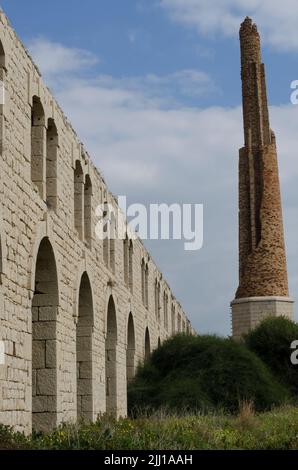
point(45, 304)
point(84, 333)
point(131, 349)
point(111, 358)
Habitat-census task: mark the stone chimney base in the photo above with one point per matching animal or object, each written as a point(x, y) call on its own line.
point(248, 312)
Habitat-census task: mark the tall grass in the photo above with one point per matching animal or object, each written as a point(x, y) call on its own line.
point(276, 429)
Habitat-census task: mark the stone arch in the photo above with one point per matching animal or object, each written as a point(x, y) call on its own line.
point(81, 268)
point(147, 286)
point(111, 358)
point(131, 349)
point(43, 230)
point(84, 330)
point(113, 231)
point(143, 266)
point(79, 199)
point(45, 304)
point(179, 323)
point(173, 319)
point(145, 282)
point(126, 260)
point(165, 310)
point(51, 165)
point(147, 344)
point(157, 299)
point(130, 265)
point(88, 210)
point(105, 235)
point(38, 146)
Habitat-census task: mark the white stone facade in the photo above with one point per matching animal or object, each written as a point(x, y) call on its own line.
point(76, 314)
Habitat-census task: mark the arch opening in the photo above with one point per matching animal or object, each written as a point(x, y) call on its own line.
point(130, 351)
point(51, 165)
point(179, 323)
point(111, 359)
point(2, 57)
point(38, 146)
point(173, 320)
point(143, 280)
point(165, 310)
point(147, 345)
point(84, 350)
point(130, 266)
point(113, 229)
point(157, 299)
point(88, 210)
point(146, 286)
point(79, 199)
point(44, 339)
point(126, 261)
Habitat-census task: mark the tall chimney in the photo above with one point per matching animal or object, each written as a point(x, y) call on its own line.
point(263, 281)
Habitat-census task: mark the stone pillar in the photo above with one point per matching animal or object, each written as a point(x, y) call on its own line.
point(248, 312)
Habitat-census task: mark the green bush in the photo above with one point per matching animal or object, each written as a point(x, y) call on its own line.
point(203, 373)
point(271, 341)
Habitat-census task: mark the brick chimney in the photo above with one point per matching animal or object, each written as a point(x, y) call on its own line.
point(263, 281)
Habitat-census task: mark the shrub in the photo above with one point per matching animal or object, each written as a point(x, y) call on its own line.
point(203, 373)
point(271, 341)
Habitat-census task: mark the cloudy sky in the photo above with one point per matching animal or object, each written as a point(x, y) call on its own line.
point(153, 89)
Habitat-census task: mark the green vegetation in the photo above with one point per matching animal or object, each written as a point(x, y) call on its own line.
point(198, 392)
point(203, 373)
point(271, 341)
point(277, 429)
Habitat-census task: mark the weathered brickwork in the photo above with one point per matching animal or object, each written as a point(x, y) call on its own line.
point(262, 257)
point(76, 314)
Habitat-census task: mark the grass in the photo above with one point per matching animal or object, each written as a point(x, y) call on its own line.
point(276, 429)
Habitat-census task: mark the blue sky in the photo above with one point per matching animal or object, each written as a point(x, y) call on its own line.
point(153, 89)
point(137, 37)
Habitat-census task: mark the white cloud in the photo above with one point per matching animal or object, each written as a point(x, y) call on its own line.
point(59, 63)
point(54, 58)
point(157, 153)
point(277, 20)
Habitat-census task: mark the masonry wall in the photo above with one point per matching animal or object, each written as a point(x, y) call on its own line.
point(57, 289)
point(248, 312)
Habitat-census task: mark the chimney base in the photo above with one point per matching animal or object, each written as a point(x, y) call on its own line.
point(248, 312)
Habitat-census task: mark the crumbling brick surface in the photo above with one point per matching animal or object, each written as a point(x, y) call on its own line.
point(262, 258)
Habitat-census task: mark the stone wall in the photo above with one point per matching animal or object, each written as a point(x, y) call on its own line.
point(248, 312)
point(75, 323)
